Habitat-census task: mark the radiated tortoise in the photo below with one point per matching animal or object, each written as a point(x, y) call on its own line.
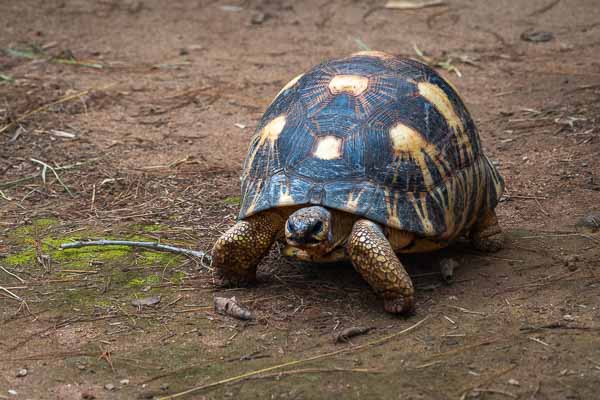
point(361, 158)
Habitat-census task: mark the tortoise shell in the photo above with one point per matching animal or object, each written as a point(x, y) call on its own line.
point(379, 136)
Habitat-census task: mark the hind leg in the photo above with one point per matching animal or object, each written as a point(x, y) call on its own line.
point(487, 235)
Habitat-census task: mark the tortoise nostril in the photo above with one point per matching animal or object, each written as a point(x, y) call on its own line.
point(317, 226)
point(290, 227)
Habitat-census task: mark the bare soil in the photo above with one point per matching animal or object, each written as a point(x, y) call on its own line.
point(164, 97)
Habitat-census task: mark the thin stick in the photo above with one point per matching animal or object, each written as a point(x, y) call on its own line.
point(314, 371)
point(93, 197)
point(53, 103)
point(11, 274)
point(561, 235)
point(507, 394)
point(148, 245)
point(11, 294)
point(466, 311)
point(518, 196)
point(295, 362)
point(542, 208)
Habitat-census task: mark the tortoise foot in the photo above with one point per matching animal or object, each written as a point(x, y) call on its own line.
point(487, 235)
point(235, 280)
point(373, 257)
point(239, 250)
point(399, 305)
point(490, 244)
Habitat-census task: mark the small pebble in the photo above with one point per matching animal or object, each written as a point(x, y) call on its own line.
point(537, 36)
point(124, 381)
point(570, 262)
point(513, 382)
point(88, 396)
point(568, 317)
point(258, 18)
point(21, 373)
point(12, 392)
point(109, 386)
point(589, 223)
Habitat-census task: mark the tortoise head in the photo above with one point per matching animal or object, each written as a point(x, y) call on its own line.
point(310, 228)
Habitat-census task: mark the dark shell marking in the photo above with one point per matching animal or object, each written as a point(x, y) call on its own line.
point(378, 136)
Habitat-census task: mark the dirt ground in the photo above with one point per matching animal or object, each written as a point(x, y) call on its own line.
point(148, 106)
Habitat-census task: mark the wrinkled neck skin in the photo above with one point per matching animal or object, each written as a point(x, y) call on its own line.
point(316, 233)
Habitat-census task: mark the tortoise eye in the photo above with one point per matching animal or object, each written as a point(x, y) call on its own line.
point(317, 227)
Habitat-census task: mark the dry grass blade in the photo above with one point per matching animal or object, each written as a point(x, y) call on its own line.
point(33, 176)
point(435, 62)
point(53, 103)
point(413, 5)
point(492, 378)
point(5, 197)
point(45, 168)
point(544, 9)
point(81, 63)
point(315, 371)
point(295, 362)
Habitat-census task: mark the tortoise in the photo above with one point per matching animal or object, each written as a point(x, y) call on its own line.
point(362, 158)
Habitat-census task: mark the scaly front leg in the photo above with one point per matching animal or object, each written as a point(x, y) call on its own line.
point(373, 257)
point(237, 253)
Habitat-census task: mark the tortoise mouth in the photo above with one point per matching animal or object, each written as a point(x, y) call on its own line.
point(309, 243)
point(312, 254)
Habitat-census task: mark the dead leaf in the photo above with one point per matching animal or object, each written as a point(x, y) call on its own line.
point(230, 307)
point(146, 301)
point(347, 333)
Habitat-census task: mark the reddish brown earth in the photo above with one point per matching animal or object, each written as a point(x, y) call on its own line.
point(157, 143)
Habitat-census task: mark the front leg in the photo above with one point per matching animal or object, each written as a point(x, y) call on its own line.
point(373, 257)
point(237, 253)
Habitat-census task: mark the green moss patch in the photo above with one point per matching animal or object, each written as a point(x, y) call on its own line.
point(115, 270)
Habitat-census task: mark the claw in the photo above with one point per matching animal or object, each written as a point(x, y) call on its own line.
point(232, 281)
point(399, 305)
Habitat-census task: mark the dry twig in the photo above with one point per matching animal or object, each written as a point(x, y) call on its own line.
point(205, 259)
point(11, 274)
